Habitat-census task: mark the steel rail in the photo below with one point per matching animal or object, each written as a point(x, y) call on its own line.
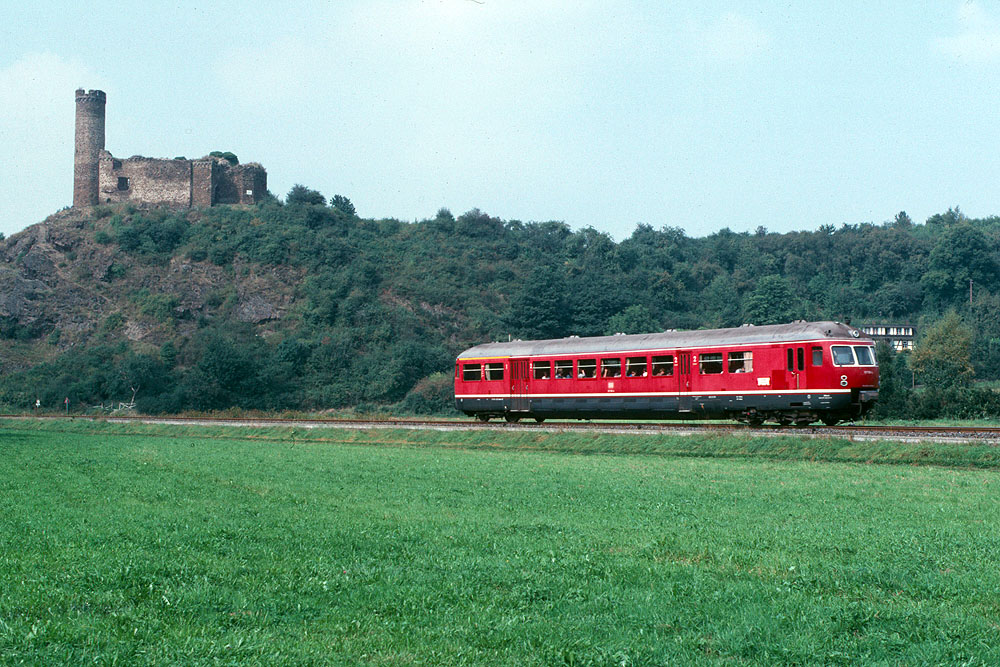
point(848, 431)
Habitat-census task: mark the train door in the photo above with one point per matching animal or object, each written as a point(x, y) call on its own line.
point(796, 362)
point(684, 401)
point(519, 401)
point(801, 375)
point(793, 375)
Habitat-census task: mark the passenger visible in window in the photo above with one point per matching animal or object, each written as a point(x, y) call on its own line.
point(635, 367)
point(710, 363)
point(663, 366)
point(740, 362)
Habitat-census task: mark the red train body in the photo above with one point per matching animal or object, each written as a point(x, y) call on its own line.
point(790, 373)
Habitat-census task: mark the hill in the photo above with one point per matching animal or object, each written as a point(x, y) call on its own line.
point(304, 305)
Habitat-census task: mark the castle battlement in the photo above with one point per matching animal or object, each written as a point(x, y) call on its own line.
point(91, 95)
point(99, 177)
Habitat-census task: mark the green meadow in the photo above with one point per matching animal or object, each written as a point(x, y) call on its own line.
point(131, 544)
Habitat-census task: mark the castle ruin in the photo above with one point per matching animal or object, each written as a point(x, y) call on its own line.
point(101, 178)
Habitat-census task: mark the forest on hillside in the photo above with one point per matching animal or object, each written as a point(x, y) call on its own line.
point(382, 307)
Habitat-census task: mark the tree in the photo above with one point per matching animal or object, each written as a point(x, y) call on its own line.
point(225, 374)
point(893, 383)
point(770, 302)
point(594, 298)
point(902, 220)
point(962, 253)
point(139, 373)
point(722, 302)
point(538, 307)
point(343, 204)
point(952, 216)
point(635, 319)
point(942, 358)
point(301, 195)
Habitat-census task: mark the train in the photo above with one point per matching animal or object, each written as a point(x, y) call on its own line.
point(796, 373)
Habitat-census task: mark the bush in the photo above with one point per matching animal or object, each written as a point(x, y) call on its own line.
point(433, 395)
point(158, 306)
point(301, 195)
point(228, 156)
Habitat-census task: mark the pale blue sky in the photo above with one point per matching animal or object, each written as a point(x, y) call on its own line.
point(701, 115)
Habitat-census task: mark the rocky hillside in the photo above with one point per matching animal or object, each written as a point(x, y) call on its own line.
point(305, 305)
point(58, 282)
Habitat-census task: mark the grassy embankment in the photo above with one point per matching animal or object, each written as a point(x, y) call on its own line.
point(160, 544)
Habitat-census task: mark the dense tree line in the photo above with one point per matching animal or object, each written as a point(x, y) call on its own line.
point(385, 305)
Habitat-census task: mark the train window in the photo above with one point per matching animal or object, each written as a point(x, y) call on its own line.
point(635, 367)
point(586, 368)
point(472, 372)
point(494, 371)
point(564, 369)
point(791, 359)
point(865, 355)
point(710, 364)
point(611, 368)
point(740, 362)
point(817, 356)
point(541, 370)
point(663, 365)
point(802, 358)
point(842, 355)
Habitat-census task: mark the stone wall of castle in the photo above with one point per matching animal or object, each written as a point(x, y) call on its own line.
point(145, 180)
point(240, 184)
point(101, 178)
point(204, 182)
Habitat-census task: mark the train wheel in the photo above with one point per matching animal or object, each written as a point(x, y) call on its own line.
point(830, 420)
point(512, 419)
point(483, 418)
point(539, 419)
point(784, 420)
point(755, 421)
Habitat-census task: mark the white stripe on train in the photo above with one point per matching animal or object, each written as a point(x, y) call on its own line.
point(707, 394)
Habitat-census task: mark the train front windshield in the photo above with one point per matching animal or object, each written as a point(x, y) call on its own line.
point(856, 355)
point(866, 355)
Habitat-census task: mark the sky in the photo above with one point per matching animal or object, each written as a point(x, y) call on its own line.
point(602, 113)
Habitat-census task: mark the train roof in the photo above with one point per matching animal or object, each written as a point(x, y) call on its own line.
point(745, 335)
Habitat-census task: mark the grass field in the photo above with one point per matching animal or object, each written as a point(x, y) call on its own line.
point(136, 544)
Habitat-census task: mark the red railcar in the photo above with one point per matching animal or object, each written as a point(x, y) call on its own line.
point(790, 373)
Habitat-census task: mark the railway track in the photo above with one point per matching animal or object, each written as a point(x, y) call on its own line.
point(859, 432)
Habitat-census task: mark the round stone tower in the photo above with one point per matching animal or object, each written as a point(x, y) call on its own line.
point(89, 144)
